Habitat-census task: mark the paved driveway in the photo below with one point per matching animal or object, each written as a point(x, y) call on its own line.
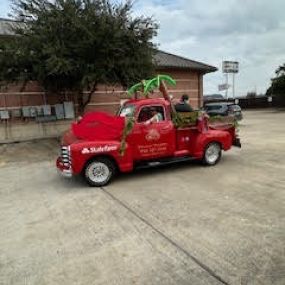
point(184, 224)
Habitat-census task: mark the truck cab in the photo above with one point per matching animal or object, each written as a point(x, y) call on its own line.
point(97, 154)
point(154, 139)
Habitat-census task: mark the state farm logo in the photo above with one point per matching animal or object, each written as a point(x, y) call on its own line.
point(85, 150)
point(99, 149)
point(152, 135)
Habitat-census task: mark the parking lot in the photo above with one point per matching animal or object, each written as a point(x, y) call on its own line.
point(181, 224)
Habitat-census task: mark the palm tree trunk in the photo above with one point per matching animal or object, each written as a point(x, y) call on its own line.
point(164, 91)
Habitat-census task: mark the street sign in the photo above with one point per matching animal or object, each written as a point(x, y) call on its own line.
point(230, 67)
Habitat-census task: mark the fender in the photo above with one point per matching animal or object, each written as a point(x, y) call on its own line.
point(203, 139)
point(82, 152)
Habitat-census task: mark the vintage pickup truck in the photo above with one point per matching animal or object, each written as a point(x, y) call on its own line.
point(93, 146)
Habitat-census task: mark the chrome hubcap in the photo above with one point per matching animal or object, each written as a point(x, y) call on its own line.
point(98, 172)
point(212, 153)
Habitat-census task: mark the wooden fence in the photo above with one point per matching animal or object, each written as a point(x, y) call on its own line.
point(253, 103)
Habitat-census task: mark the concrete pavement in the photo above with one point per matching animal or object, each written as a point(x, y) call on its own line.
point(181, 224)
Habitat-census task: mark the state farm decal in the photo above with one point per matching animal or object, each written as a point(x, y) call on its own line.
point(152, 135)
point(98, 149)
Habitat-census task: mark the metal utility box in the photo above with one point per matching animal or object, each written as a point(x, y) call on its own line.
point(47, 110)
point(59, 111)
point(40, 110)
point(69, 110)
point(4, 115)
point(26, 112)
point(16, 113)
point(33, 112)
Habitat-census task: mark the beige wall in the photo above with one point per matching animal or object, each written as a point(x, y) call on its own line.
point(106, 98)
point(187, 82)
point(19, 131)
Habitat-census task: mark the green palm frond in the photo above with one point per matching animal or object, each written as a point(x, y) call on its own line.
point(151, 84)
point(168, 79)
point(135, 88)
point(146, 86)
point(155, 82)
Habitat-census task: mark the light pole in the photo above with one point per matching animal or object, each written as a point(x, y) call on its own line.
point(227, 85)
point(233, 85)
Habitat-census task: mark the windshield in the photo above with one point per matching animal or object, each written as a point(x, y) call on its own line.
point(235, 107)
point(127, 111)
point(213, 107)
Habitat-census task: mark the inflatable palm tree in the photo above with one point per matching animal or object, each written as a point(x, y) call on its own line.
point(148, 86)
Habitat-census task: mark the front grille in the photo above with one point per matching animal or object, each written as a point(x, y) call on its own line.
point(66, 156)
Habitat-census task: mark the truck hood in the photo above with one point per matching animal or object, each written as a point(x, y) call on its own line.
point(69, 138)
point(96, 126)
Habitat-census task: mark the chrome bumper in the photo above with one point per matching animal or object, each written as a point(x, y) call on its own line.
point(65, 173)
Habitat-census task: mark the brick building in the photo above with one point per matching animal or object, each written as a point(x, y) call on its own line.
point(188, 74)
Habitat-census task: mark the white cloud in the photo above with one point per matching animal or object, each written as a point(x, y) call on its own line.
point(4, 8)
point(249, 31)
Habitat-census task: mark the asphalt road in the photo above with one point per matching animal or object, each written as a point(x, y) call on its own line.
point(181, 224)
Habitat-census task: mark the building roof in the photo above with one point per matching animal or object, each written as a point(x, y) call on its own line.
point(168, 60)
point(161, 58)
point(6, 27)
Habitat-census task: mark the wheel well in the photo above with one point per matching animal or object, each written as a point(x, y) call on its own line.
point(217, 142)
point(100, 156)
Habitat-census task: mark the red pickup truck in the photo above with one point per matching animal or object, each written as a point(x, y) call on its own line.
point(93, 148)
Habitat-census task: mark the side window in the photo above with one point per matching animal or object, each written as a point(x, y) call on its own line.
point(148, 112)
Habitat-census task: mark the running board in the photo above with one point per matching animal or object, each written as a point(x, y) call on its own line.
point(164, 161)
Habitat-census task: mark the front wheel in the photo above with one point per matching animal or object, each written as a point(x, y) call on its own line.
point(212, 153)
point(99, 172)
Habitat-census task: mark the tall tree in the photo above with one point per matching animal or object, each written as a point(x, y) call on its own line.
point(277, 87)
point(72, 45)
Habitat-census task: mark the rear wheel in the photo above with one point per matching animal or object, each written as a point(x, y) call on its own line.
point(99, 171)
point(212, 153)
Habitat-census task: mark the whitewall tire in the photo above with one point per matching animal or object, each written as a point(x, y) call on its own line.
point(212, 153)
point(99, 172)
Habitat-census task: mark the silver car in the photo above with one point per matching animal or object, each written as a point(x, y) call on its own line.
point(224, 109)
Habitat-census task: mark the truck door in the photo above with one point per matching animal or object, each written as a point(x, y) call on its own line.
point(153, 139)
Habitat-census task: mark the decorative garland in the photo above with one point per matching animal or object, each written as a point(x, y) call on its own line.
point(129, 125)
point(185, 119)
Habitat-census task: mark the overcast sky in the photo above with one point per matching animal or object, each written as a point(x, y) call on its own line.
point(249, 31)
